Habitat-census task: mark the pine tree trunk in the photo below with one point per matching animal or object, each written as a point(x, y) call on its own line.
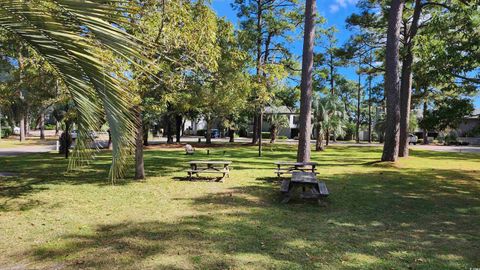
point(392, 87)
point(370, 110)
point(303, 154)
point(406, 82)
point(139, 162)
point(359, 98)
point(42, 125)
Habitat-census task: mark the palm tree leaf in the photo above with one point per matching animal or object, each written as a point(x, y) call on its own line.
point(68, 35)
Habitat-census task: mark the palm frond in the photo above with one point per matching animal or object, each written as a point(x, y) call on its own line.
point(67, 34)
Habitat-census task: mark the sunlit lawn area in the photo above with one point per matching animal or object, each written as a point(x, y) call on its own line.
point(423, 213)
point(15, 142)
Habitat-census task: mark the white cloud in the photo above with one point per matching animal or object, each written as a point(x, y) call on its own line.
point(334, 8)
point(341, 3)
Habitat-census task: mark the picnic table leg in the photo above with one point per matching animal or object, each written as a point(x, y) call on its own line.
point(288, 195)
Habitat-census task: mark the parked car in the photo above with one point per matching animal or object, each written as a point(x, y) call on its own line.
point(215, 133)
point(412, 139)
point(92, 134)
point(16, 130)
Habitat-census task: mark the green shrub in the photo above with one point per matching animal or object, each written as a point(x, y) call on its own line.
point(6, 132)
point(201, 132)
point(49, 127)
point(420, 141)
point(265, 135)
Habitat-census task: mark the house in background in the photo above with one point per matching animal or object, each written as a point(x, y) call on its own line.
point(290, 131)
point(469, 123)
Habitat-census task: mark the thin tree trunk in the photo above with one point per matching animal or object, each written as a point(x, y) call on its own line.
point(178, 126)
point(27, 124)
point(66, 138)
point(406, 82)
point(359, 98)
point(168, 130)
point(255, 130)
point(273, 133)
point(42, 125)
point(20, 94)
point(319, 142)
point(260, 135)
point(425, 131)
point(231, 134)
point(146, 128)
point(209, 130)
point(303, 154)
point(22, 128)
point(256, 124)
point(56, 128)
point(392, 87)
point(370, 109)
point(109, 144)
point(327, 137)
point(139, 162)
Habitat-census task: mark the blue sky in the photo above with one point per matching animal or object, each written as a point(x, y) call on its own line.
point(334, 11)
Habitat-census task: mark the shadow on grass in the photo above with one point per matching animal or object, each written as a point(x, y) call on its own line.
point(425, 219)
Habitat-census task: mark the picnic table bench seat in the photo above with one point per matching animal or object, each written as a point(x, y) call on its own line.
point(209, 167)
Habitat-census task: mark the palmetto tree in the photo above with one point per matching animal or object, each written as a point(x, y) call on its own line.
point(71, 35)
point(329, 115)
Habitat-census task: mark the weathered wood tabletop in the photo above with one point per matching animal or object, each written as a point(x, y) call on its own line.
point(294, 166)
point(311, 187)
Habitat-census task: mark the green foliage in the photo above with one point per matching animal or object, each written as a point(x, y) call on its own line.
point(70, 37)
point(449, 113)
point(5, 132)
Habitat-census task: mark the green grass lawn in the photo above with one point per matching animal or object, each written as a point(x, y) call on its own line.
point(422, 213)
point(15, 142)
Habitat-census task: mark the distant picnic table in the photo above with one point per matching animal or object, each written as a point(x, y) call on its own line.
point(311, 187)
point(209, 166)
point(288, 167)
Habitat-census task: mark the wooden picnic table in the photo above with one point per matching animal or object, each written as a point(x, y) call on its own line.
point(311, 187)
point(294, 166)
point(209, 166)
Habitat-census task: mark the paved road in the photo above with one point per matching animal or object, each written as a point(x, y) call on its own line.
point(440, 148)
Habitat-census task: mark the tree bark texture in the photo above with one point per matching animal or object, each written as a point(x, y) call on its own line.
point(305, 122)
point(178, 127)
point(406, 81)
point(392, 86)
point(42, 125)
point(139, 162)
